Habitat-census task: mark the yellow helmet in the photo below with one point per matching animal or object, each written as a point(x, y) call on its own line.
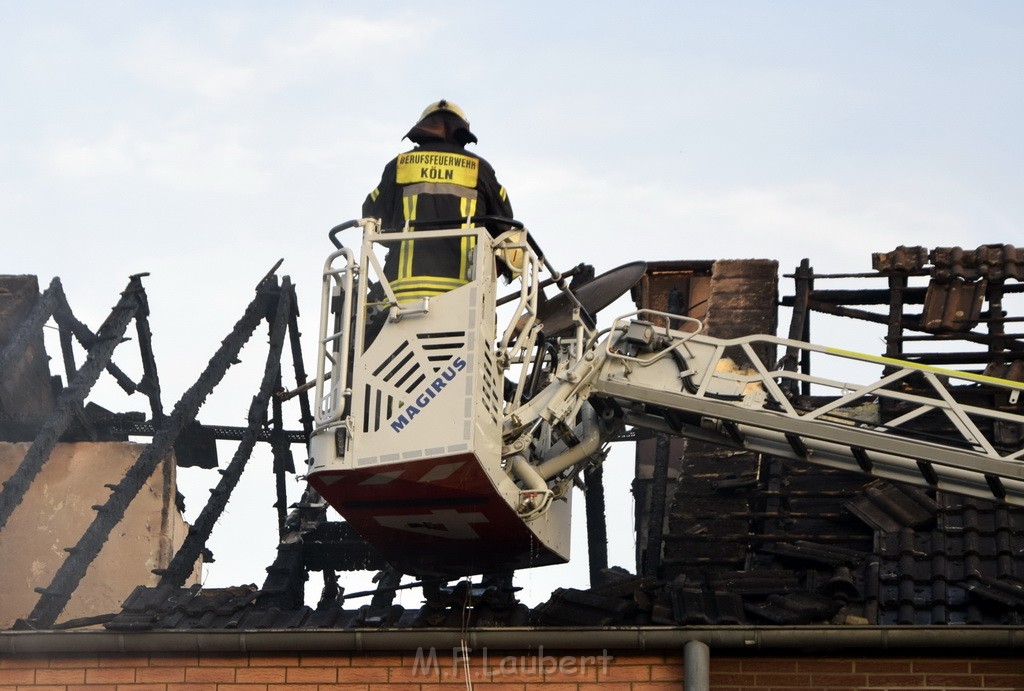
point(444, 105)
point(457, 127)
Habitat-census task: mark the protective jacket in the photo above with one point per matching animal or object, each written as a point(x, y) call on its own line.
point(436, 181)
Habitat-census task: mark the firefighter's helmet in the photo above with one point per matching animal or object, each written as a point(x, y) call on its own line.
point(444, 105)
point(458, 126)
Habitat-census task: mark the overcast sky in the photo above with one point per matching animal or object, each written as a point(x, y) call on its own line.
point(201, 142)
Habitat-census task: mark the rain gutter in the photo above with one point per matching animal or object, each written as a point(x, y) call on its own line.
point(807, 638)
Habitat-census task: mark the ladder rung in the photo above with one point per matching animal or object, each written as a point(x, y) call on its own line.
point(996, 485)
point(799, 448)
point(861, 456)
point(928, 472)
point(732, 429)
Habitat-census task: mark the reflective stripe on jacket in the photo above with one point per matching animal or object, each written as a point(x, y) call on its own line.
point(433, 182)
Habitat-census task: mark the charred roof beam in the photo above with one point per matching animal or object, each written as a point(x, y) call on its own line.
point(55, 597)
point(12, 356)
point(70, 400)
point(184, 560)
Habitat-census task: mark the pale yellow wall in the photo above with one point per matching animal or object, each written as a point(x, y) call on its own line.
point(58, 509)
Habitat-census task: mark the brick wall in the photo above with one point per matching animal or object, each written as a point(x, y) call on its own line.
point(945, 673)
point(497, 671)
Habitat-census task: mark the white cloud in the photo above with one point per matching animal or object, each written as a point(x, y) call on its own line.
point(200, 161)
point(300, 49)
point(165, 62)
point(107, 158)
point(318, 41)
point(840, 225)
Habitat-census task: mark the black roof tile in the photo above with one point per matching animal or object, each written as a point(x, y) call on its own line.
point(799, 607)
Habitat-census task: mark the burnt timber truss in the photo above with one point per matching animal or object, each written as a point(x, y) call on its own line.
point(960, 284)
point(273, 302)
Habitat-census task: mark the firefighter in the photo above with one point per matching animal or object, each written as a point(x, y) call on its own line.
point(438, 180)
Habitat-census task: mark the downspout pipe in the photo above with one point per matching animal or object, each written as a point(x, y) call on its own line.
point(697, 666)
point(805, 638)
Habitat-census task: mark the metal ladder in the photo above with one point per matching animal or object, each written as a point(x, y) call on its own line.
point(722, 390)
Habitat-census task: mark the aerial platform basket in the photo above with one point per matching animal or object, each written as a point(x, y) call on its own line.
point(408, 445)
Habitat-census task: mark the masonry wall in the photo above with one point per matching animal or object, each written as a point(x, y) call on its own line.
point(499, 671)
